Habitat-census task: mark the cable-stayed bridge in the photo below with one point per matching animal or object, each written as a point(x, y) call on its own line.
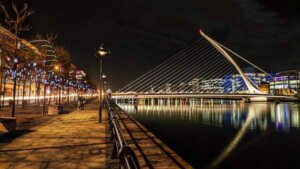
point(205, 69)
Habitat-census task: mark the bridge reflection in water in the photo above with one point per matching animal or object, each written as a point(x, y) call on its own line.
point(185, 123)
point(224, 113)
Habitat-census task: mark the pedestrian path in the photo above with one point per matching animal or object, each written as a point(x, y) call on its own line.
point(74, 140)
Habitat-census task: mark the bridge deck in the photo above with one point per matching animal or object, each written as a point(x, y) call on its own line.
point(202, 95)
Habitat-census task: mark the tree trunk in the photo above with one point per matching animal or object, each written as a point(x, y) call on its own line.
point(4, 90)
point(44, 100)
point(56, 95)
point(59, 95)
point(29, 94)
point(1, 80)
point(50, 94)
point(35, 94)
point(24, 85)
point(38, 93)
point(68, 93)
point(18, 92)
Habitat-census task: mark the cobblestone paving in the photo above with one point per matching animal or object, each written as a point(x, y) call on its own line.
point(74, 140)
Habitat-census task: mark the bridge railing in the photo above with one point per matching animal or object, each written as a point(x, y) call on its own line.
point(121, 149)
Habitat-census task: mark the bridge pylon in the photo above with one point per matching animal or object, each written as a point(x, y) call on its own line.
point(251, 88)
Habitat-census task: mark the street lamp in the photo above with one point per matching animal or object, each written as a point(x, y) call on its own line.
point(101, 52)
point(57, 67)
point(104, 77)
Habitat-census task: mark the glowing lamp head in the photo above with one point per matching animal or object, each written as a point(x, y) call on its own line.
point(102, 53)
point(56, 67)
point(104, 76)
point(19, 45)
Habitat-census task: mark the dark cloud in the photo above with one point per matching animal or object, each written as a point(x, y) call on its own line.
point(271, 43)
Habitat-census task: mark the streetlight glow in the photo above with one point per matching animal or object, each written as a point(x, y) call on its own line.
point(102, 53)
point(56, 67)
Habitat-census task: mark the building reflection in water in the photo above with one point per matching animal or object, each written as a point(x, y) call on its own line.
point(281, 117)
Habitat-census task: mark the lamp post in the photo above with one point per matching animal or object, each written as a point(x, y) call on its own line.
point(103, 85)
point(101, 52)
point(58, 69)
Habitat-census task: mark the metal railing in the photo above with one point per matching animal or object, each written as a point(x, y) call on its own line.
point(121, 149)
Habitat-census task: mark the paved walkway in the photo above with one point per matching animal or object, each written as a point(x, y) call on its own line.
point(74, 140)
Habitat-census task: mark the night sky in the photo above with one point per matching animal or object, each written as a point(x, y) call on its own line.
point(143, 33)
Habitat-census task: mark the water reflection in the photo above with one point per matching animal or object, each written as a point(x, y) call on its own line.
point(206, 132)
point(282, 117)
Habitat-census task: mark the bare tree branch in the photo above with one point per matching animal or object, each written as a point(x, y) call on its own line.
point(51, 37)
point(24, 10)
point(15, 10)
point(16, 20)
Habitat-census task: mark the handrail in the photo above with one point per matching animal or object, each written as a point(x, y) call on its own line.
point(121, 149)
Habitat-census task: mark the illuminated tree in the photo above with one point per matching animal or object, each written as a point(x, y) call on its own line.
point(64, 61)
point(15, 23)
point(4, 43)
point(48, 60)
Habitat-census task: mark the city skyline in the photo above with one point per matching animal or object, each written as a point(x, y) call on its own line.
point(134, 84)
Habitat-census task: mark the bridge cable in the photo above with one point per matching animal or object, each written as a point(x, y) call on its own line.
point(195, 69)
point(182, 69)
point(150, 79)
point(205, 76)
point(156, 69)
point(146, 78)
point(194, 75)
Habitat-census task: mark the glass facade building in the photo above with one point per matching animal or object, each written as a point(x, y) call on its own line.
point(286, 83)
point(235, 83)
point(283, 83)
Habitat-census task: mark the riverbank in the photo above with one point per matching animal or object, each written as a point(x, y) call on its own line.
point(151, 152)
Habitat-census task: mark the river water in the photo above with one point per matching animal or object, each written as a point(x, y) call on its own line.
point(224, 133)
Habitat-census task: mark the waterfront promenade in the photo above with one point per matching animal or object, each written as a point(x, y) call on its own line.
point(78, 140)
point(74, 140)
